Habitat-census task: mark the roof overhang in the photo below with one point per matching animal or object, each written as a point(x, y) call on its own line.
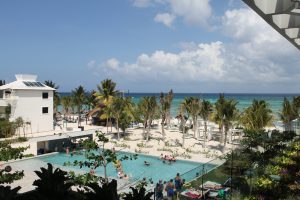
point(282, 15)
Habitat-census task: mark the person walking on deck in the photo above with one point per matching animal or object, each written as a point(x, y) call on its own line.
point(159, 190)
point(170, 190)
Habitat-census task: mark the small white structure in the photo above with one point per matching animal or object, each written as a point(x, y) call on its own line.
point(29, 99)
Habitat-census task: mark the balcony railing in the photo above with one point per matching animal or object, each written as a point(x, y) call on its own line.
point(3, 103)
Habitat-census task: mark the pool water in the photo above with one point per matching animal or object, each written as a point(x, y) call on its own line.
point(135, 168)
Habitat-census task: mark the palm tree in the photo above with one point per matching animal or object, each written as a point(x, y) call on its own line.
point(125, 120)
point(205, 111)
point(169, 99)
point(288, 113)
point(163, 109)
point(138, 194)
point(122, 110)
point(107, 114)
point(79, 99)
point(296, 104)
point(193, 108)
point(218, 111)
point(108, 190)
point(7, 193)
point(90, 100)
point(66, 102)
point(152, 111)
point(117, 107)
point(142, 113)
point(52, 184)
point(104, 96)
point(257, 116)
point(106, 91)
point(148, 109)
point(225, 113)
point(182, 118)
point(73, 106)
point(165, 104)
point(56, 98)
point(2, 82)
point(230, 114)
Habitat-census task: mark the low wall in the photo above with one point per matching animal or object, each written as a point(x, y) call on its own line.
point(32, 147)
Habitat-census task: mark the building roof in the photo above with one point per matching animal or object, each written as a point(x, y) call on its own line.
point(26, 82)
point(282, 15)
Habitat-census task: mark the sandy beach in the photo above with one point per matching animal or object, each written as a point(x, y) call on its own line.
point(194, 149)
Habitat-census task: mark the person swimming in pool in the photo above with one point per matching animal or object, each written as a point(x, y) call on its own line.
point(146, 163)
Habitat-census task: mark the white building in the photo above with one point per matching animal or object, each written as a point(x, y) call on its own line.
point(29, 99)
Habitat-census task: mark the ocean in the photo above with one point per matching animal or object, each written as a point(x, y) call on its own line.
point(244, 100)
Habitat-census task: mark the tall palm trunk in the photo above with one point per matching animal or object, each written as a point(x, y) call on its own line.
point(221, 131)
point(205, 133)
point(111, 125)
point(106, 125)
point(183, 135)
point(144, 129)
point(162, 126)
point(117, 124)
point(225, 138)
point(79, 116)
point(226, 127)
point(195, 127)
point(168, 119)
point(183, 121)
point(148, 131)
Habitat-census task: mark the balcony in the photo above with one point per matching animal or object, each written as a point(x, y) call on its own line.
point(9, 99)
point(3, 103)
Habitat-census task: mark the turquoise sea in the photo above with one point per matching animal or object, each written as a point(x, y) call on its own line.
point(244, 100)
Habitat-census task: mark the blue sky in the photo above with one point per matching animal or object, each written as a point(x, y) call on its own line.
point(146, 45)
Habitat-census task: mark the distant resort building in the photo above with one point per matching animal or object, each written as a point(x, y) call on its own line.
point(29, 99)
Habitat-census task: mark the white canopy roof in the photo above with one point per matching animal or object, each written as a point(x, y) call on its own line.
point(26, 82)
point(282, 15)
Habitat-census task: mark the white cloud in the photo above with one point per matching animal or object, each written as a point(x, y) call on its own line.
point(165, 18)
point(112, 63)
point(257, 57)
point(193, 12)
point(203, 63)
point(257, 52)
point(245, 25)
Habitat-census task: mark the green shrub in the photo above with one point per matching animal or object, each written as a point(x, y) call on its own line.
point(265, 183)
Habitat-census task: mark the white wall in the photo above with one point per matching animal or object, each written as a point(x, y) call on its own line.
point(32, 147)
point(29, 107)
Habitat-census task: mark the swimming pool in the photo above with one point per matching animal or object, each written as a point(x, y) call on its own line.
point(135, 168)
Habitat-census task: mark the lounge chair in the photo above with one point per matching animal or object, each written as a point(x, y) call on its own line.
point(194, 194)
point(209, 185)
point(215, 189)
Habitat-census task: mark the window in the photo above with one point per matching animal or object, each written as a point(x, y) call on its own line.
point(7, 94)
point(45, 110)
point(45, 95)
